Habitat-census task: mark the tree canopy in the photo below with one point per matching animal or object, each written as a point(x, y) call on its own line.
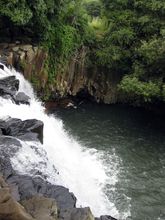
point(134, 46)
point(126, 37)
point(27, 17)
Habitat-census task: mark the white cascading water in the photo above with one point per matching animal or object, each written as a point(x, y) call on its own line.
point(78, 168)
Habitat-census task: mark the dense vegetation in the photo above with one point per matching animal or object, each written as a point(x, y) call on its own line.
point(134, 46)
point(60, 26)
point(126, 37)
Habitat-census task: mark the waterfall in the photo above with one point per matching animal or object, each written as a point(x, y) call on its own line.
point(61, 159)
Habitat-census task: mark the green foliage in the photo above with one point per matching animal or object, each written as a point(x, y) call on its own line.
point(63, 41)
point(134, 46)
point(17, 11)
point(123, 36)
point(66, 36)
point(60, 26)
point(145, 91)
point(26, 17)
point(93, 8)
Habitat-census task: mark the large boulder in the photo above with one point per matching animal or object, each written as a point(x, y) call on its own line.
point(105, 217)
point(9, 85)
point(8, 89)
point(9, 146)
point(25, 187)
point(9, 208)
point(22, 98)
point(76, 214)
point(28, 129)
point(29, 187)
point(41, 208)
point(5, 166)
point(1, 66)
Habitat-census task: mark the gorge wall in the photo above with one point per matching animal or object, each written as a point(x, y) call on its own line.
point(80, 80)
point(29, 59)
point(73, 79)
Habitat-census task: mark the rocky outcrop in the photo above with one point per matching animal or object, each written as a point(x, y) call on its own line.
point(14, 127)
point(9, 208)
point(29, 129)
point(9, 89)
point(105, 217)
point(22, 98)
point(76, 214)
point(29, 59)
point(73, 79)
point(25, 187)
point(93, 83)
point(37, 186)
point(40, 199)
point(41, 208)
point(9, 86)
point(36, 208)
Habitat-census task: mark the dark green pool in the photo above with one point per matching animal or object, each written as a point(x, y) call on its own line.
point(132, 145)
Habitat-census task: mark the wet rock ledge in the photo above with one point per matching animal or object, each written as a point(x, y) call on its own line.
point(24, 197)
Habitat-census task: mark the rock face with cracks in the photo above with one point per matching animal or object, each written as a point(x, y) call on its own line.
point(9, 208)
point(41, 208)
point(74, 78)
point(36, 207)
point(22, 129)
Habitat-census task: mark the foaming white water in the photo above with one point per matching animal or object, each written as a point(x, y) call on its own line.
point(79, 169)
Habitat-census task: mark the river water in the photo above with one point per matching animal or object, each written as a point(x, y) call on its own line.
point(131, 145)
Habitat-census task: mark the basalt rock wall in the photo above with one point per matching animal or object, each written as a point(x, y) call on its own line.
point(82, 81)
point(74, 78)
point(28, 59)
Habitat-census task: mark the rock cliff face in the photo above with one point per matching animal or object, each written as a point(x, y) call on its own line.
point(28, 59)
point(74, 79)
point(78, 80)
